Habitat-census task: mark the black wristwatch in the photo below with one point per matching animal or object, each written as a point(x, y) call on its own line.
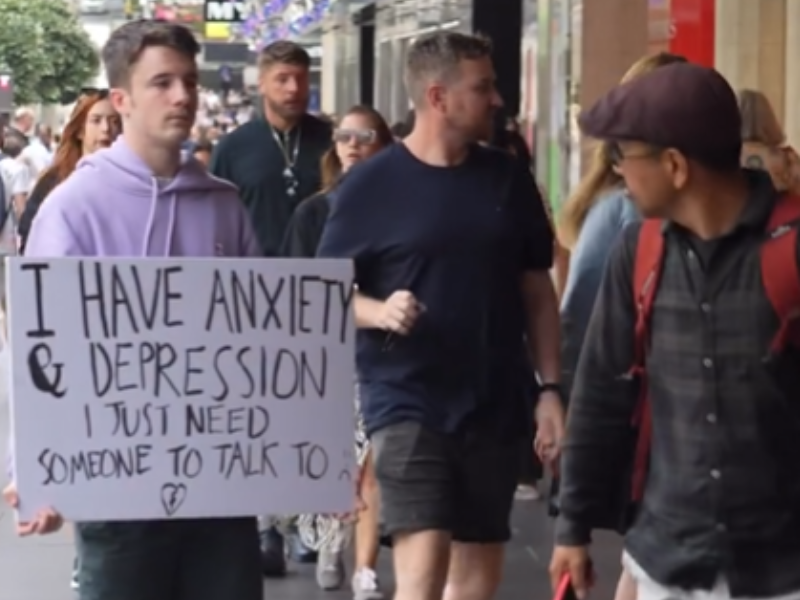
point(551, 387)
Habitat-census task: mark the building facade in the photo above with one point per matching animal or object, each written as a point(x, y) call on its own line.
point(587, 46)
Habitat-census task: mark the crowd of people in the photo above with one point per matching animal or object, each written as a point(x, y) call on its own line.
point(674, 350)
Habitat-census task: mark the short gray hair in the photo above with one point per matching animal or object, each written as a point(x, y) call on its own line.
point(436, 57)
point(24, 112)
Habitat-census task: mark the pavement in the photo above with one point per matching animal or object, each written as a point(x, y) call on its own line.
point(39, 569)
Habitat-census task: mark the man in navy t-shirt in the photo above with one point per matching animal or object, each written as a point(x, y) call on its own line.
point(452, 252)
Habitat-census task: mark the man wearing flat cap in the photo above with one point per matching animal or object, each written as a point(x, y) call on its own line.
point(718, 515)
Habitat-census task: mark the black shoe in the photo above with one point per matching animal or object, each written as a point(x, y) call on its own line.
point(299, 552)
point(273, 557)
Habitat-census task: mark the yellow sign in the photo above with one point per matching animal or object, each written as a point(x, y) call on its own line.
point(218, 31)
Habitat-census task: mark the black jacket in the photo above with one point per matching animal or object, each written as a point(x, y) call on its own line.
point(305, 227)
point(40, 191)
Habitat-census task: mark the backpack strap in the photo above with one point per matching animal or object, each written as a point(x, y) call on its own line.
point(779, 270)
point(646, 275)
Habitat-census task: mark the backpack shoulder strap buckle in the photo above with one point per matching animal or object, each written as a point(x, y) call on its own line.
point(779, 270)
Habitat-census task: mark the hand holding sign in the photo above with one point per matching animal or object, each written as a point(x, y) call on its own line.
point(46, 521)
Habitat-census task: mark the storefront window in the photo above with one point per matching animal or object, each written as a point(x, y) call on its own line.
point(554, 107)
point(396, 28)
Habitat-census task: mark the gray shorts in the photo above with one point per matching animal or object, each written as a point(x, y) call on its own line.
point(461, 483)
point(208, 559)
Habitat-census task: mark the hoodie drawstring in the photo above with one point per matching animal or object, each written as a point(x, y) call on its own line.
point(173, 209)
point(151, 219)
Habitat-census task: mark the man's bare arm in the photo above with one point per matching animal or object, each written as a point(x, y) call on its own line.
point(367, 311)
point(18, 203)
point(543, 328)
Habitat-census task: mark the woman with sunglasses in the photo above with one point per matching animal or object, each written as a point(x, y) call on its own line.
point(93, 125)
point(362, 133)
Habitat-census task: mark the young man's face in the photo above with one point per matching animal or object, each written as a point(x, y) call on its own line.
point(161, 100)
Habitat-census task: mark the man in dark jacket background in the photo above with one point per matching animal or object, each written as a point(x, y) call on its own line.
point(274, 160)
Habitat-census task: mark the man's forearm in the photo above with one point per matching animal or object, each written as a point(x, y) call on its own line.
point(544, 331)
point(18, 202)
point(366, 310)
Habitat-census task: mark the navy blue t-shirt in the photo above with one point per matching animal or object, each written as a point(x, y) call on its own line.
point(459, 238)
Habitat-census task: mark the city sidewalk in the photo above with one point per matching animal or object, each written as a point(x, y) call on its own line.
point(39, 568)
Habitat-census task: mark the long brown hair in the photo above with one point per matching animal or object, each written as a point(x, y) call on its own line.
point(331, 166)
point(600, 175)
point(70, 148)
point(759, 122)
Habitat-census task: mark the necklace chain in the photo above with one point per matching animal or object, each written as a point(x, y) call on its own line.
point(284, 142)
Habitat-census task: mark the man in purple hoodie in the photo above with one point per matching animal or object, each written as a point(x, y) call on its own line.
point(138, 198)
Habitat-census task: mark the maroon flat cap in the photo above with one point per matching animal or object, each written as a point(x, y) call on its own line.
point(683, 106)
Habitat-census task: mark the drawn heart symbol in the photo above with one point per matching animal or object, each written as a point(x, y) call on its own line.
point(172, 497)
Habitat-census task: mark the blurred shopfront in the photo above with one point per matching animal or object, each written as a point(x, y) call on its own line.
point(365, 45)
point(582, 49)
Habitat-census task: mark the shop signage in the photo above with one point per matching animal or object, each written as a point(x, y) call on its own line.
point(221, 11)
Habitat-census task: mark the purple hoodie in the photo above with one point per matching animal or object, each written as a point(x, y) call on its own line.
point(112, 205)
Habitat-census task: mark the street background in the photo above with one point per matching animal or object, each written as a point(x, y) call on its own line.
point(39, 568)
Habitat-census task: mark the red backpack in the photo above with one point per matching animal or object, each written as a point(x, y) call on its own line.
point(780, 276)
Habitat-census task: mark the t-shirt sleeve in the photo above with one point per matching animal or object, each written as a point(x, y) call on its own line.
point(351, 227)
point(530, 215)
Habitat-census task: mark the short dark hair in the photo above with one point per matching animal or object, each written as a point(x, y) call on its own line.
point(283, 52)
point(126, 44)
point(13, 143)
point(437, 55)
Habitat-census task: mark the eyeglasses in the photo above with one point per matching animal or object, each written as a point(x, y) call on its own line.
point(290, 181)
point(101, 93)
point(617, 156)
point(362, 137)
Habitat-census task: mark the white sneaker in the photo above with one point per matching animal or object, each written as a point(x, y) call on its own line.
point(330, 570)
point(366, 585)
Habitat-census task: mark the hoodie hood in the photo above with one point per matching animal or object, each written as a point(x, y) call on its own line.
point(130, 178)
point(116, 207)
point(133, 177)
